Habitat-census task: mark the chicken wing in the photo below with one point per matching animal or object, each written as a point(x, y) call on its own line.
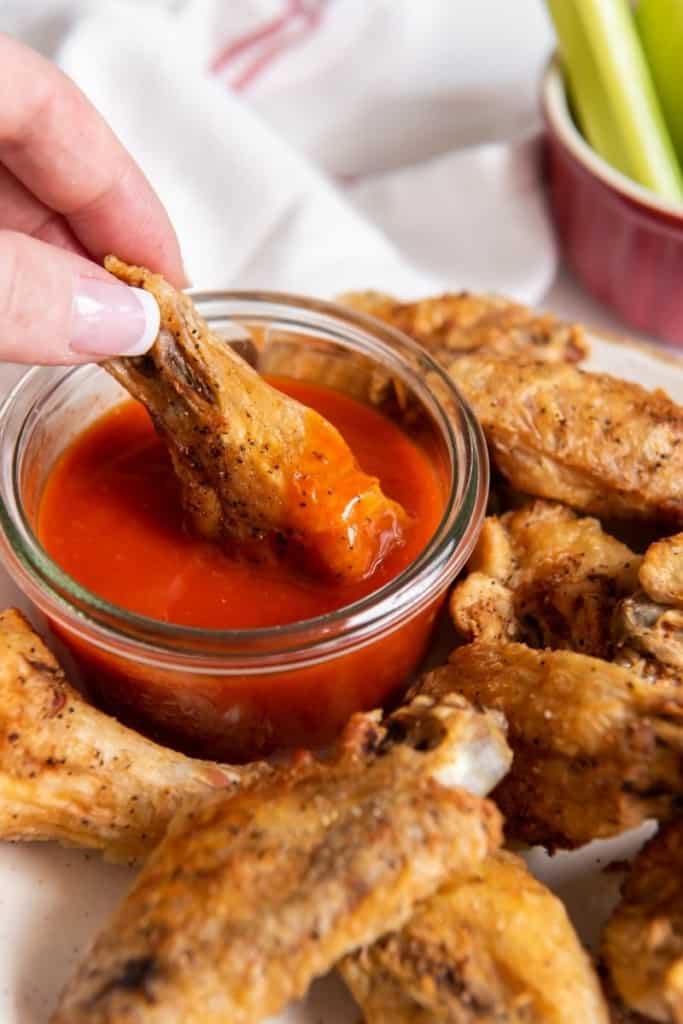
point(642, 944)
point(545, 576)
point(70, 773)
point(254, 464)
point(596, 749)
point(661, 574)
point(602, 445)
point(248, 898)
point(456, 323)
point(496, 947)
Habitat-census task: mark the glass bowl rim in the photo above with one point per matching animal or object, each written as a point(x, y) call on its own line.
point(461, 512)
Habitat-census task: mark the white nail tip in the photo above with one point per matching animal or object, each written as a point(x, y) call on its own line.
point(152, 323)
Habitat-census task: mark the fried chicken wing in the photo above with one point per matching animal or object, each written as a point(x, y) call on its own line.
point(661, 574)
point(596, 749)
point(647, 632)
point(602, 445)
point(453, 324)
point(248, 898)
point(70, 773)
point(545, 576)
point(496, 947)
point(254, 464)
point(642, 944)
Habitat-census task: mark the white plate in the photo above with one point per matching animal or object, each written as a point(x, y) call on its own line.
point(53, 901)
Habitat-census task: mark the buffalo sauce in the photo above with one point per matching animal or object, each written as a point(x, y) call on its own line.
point(111, 517)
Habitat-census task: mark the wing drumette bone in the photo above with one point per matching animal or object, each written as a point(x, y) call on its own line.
point(247, 899)
point(253, 463)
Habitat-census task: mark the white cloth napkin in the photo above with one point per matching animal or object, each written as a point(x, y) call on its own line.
point(322, 145)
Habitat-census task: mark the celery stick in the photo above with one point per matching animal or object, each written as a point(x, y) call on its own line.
point(585, 88)
point(613, 92)
point(660, 25)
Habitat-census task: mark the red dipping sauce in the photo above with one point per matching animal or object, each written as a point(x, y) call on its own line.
point(111, 517)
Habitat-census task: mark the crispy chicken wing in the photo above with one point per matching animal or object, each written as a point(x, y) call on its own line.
point(70, 773)
point(496, 947)
point(247, 899)
point(545, 576)
point(661, 573)
point(254, 464)
point(602, 445)
point(642, 944)
point(596, 749)
point(452, 324)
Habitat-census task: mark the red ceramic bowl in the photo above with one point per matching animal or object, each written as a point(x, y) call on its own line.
point(623, 241)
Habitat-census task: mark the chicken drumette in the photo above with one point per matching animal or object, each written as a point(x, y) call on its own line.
point(70, 773)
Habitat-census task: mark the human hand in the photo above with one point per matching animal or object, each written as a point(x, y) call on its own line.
point(70, 194)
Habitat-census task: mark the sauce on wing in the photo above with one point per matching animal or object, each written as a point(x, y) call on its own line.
point(111, 517)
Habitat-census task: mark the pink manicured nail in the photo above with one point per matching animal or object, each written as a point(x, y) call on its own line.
point(111, 319)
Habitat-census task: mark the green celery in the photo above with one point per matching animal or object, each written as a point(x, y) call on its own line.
point(613, 94)
point(660, 25)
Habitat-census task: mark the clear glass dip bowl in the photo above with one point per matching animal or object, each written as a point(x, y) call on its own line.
point(240, 694)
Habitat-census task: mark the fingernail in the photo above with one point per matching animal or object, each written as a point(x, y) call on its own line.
point(111, 319)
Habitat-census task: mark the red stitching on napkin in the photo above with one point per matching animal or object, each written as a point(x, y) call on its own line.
point(269, 41)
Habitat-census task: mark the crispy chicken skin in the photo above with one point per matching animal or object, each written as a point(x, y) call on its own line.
point(548, 577)
point(496, 947)
point(254, 464)
point(661, 574)
point(248, 898)
point(602, 445)
point(70, 773)
point(452, 324)
point(596, 749)
point(642, 944)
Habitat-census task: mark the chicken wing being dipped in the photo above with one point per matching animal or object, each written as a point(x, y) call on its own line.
point(642, 944)
point(255, 466)
point(495, 947)
point(295, 872)
point(545, 576)
point(72, 774)
point(596, 749)
point(456, 323)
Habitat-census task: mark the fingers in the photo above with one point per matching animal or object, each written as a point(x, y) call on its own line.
point(21, 211)
point(56, 144)
point(57, 307)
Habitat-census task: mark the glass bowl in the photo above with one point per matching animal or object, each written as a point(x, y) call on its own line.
point(240, 694)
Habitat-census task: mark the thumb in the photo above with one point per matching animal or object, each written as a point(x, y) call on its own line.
point(58, 307)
